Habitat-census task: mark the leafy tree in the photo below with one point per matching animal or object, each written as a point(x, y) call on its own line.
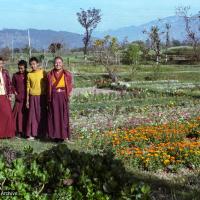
point(132, 54)
point(89, 20)
point(144, 49)
point(55, 48)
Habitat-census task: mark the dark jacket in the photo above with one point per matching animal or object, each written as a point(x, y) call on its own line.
point(19, 86)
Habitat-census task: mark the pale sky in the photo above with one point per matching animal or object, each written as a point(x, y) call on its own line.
point(61, 14)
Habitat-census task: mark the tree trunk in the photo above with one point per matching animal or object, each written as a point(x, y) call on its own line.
point(166, 58)
point(86, 42)
point(157, 59)
point(85, 51)
point(111, 74)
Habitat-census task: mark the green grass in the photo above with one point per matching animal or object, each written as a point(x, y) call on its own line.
point(85, 81)
point(19, 144)
point(88, 75)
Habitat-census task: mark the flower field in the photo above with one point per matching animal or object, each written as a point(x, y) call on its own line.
point(166, 146)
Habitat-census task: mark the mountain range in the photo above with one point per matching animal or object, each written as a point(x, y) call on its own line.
point(133, 33)
point(40, 39)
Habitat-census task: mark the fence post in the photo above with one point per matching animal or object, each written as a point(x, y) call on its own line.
point(68, 62)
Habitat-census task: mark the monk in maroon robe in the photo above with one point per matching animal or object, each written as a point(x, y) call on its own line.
point(36, 101)
point(19, 85)
point(59, 89)
point(7, 128)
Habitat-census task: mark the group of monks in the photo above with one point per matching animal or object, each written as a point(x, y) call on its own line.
point(41, 108)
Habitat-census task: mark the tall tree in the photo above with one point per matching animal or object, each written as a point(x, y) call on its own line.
point(132, 54)
point(89, 20)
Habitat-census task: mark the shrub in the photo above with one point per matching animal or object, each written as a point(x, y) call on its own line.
point(60, 173)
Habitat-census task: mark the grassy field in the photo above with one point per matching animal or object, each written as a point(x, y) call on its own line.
point(156, 96)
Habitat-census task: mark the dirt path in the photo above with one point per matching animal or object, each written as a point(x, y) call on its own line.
point(78, 91)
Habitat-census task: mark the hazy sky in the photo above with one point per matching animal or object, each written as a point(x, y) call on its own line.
point(61, 14)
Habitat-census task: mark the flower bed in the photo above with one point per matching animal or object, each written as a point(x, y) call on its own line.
point(167, 146)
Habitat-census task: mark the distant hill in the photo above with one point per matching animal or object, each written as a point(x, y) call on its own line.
point(133, 33)
point(40, 39)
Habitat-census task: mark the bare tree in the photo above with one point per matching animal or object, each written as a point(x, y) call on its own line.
point(167, 42)
point(154, 36)
point(192, 36)
point(89, 20)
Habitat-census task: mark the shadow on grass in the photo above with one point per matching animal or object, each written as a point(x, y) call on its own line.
point(98, 174)
point(185, 187)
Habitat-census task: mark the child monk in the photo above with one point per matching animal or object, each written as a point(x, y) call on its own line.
point(36, 100)
point(20, 111)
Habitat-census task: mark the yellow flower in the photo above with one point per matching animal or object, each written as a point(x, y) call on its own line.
point(166, 162)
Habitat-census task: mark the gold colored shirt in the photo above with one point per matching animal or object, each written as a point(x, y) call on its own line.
point(61, 83)
point(36, 82)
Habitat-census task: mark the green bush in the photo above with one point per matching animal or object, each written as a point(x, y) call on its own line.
point(60, 173)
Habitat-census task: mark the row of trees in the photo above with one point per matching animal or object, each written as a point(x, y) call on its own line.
point(89, 20)
point(55, 48)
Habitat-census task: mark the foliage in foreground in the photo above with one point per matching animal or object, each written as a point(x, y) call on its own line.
point(60, 173)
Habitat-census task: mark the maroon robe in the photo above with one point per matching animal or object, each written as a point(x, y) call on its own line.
point(58, 108)
point(37, 119)
point(37, 114)
point(7, 128)
point(19, 110)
